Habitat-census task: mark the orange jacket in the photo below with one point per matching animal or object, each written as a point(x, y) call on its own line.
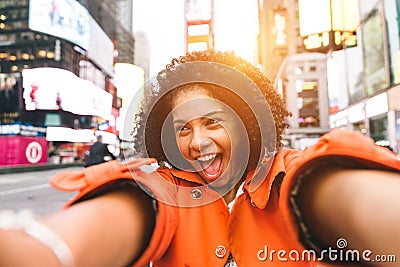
point(261, 229)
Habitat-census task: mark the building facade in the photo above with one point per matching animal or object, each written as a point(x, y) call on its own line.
point(366, 93)
point(362, 82)
point(115, 18)
point(302, 81)
point(300, 76)
point(56, 80)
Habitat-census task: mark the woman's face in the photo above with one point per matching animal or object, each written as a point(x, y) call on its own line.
point(208, 134)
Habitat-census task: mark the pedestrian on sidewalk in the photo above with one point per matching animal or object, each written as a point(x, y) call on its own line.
point(99, 152)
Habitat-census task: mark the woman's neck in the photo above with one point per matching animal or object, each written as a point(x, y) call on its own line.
point(231, 195)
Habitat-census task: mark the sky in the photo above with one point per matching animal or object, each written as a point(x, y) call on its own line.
point(235, 28)
point(163, 21)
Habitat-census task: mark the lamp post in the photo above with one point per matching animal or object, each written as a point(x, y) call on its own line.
point(328, 25)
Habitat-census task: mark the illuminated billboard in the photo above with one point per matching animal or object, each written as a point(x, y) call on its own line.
point(58, 89)
point(66, 19)
point(101, 48)
point(328, 25)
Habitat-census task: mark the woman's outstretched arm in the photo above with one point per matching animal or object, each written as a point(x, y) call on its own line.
point(110, 230)
point(359, 205)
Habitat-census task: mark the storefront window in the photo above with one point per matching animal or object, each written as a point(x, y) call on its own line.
point(374, 56)
point(9, 97)
point(392, 9)
point(378, 128)
point(337, 82)
point(367, 5)
point(354, 71)
point(307, 103)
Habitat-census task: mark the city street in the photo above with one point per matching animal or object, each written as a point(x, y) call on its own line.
point(32, 190)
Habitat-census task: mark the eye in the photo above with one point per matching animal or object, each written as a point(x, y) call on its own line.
point(182, 129)
point(212, 122)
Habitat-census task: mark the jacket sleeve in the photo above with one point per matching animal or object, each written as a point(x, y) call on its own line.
point(339, 146)
point(102, 178)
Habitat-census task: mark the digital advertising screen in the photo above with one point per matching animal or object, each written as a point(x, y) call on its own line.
point(58, 89)
point(66, 19)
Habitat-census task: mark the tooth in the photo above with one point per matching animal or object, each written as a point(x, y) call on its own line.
point(206, 157)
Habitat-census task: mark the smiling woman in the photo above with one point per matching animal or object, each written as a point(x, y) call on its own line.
point(208, 135)
point(233, 108)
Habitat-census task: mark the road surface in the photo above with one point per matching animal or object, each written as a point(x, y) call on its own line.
point(32, 190)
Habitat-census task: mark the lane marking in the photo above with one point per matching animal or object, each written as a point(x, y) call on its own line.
point(24, 189)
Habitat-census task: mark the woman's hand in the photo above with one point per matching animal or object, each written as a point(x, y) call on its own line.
point(144, 164)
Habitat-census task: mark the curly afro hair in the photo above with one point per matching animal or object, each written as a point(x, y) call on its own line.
point(156, 104)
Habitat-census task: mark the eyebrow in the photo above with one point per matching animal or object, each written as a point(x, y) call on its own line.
point(209, 114)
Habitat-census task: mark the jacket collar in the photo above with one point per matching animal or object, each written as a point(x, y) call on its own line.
point(188, 176)
point(257, 184)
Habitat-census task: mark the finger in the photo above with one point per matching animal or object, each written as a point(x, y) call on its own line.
point(136, 163)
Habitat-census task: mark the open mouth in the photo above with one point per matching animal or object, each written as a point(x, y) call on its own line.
point(210, 166)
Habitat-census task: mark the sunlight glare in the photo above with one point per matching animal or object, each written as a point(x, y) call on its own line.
point(236, 27)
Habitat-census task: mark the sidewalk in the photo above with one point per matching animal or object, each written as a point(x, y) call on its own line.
point(37, 167)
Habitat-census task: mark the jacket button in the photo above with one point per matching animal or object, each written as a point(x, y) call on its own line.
point(220, 251)
point(196, 193)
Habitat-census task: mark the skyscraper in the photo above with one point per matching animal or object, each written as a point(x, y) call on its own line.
point(115, 18)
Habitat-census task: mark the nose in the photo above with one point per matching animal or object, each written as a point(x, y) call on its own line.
point(199, 140)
